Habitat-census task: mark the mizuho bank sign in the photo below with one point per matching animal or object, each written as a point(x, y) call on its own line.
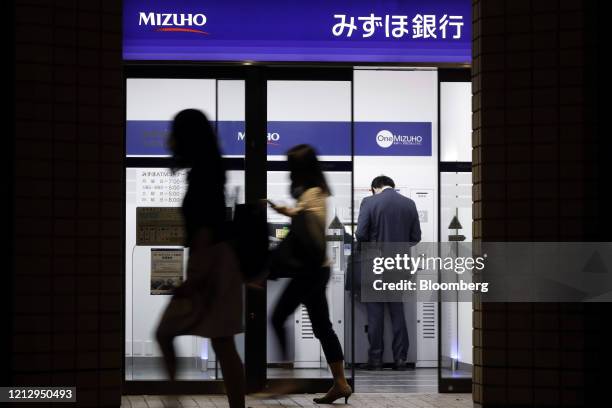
point(176, 22)
point(386, 139)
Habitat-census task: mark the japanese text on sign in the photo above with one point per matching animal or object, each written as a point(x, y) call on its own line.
point(399, 26)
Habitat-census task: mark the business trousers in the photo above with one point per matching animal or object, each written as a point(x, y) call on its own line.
point(376, 329)
point(310, 291)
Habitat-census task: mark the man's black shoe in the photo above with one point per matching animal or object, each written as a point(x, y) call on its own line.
point(400, 365)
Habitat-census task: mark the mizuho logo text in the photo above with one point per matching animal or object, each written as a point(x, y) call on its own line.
point(386, 138)
point(273, 138)
point(173, 22)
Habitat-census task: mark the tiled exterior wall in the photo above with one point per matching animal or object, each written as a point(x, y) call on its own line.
point(68, 197)
point(535, 177)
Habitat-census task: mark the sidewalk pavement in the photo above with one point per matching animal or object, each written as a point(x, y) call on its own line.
point(358, 400)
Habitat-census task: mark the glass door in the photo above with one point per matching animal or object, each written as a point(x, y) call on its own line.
point(155, 258)
point(316, 111)
point(259, 113)
point(455, 313)
point(392, 104)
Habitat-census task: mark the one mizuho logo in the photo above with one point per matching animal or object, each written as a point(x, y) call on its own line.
point(181, 22)
point(386, 139)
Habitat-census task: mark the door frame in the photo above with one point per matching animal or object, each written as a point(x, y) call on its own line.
point(448, 384)
point(255, 165)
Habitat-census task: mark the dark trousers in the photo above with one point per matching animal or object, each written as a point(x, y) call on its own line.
point(309, 291)
point(376, 329)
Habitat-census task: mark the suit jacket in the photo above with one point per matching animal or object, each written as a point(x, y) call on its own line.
point(388, 217)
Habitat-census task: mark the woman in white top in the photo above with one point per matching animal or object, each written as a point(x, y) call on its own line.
point(309, 187)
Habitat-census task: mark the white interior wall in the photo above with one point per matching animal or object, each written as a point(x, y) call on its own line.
point(456, 198)
point(307, 101)
point(456, 121)
point(399, 96)
point(456, 190)
point(161, 99)
point(402, 96)
point(231, 102)
point(324, 101)
point(310, 101)
point(379, 96)
point(144, 309)
point(465, 332)
point(154, 99)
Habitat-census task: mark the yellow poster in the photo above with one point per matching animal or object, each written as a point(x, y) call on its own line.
point(159, 226)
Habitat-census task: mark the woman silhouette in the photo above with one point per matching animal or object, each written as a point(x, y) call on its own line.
point(309, 188)
point(209, 303)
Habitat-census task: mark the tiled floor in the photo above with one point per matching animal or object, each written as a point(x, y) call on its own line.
point(359, 400)
point(420, 380)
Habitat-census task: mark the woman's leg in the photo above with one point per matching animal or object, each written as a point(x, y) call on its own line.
point(318, 311)
point(165, 339)
point(232, 369)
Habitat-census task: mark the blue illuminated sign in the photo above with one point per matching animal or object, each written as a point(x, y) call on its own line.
point(404, 31)
point(148, 137)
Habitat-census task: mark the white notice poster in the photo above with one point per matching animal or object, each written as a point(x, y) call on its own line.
point(166, 270)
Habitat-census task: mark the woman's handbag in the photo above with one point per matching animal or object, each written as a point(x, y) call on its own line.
point(249, 238)
point(302, 250)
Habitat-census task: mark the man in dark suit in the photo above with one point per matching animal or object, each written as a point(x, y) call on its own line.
point(387, 216)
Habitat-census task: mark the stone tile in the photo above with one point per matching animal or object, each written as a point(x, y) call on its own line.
point(125, 402)
point(358, 400)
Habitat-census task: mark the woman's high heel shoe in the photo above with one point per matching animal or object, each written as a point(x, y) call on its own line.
point(334, 393)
